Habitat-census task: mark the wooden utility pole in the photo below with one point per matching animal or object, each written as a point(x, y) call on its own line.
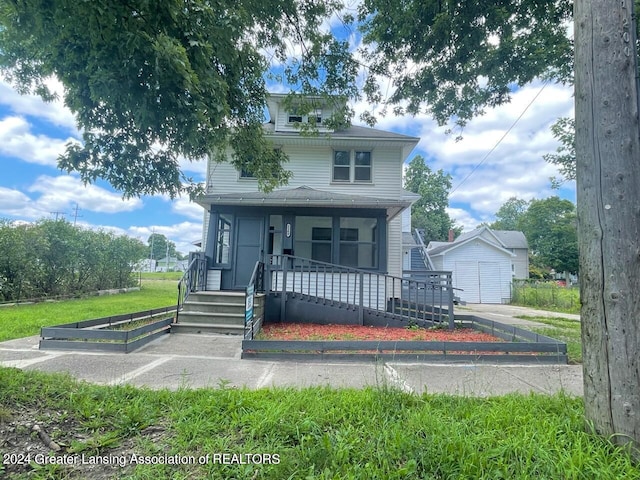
point(608, 193)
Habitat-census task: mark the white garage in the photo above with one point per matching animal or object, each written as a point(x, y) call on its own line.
point(482, 270)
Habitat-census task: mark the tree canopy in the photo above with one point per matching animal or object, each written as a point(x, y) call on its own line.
point(550, 226)
point(429, 213)
point(454, 59)
point(151, 83)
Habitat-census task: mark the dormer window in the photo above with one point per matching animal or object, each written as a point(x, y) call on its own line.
point(313, 117)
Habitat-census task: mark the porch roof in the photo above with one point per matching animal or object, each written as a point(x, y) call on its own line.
point(306, 197)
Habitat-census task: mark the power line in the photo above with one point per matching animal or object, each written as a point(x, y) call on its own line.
point(501, 139)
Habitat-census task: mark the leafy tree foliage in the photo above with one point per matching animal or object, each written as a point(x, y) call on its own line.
point(510, 214)
point(160, 246)
point(151, 82)
point(551, 231)
point(564, 130)
point(53, 257)
point(428, 213)
point(454, 59)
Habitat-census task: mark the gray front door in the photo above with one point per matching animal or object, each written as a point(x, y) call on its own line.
point(249, 247)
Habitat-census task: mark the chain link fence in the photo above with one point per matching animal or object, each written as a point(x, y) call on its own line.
point(545, 295)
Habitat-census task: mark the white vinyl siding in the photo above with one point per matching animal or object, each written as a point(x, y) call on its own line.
point(312, 167)
point(480, 270)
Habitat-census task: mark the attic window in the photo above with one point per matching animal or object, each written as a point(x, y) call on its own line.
point(313, 117)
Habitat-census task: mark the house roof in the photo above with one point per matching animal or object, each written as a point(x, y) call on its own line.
point(306, 197)
point(408, 241)
point(354, 132)
point(511, 239)
point(504, 239)
point(448, 246)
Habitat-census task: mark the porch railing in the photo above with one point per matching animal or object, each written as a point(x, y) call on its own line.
point(362, 290)
point(193, 279)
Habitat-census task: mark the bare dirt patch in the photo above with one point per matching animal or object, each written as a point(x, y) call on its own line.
point(32, 440)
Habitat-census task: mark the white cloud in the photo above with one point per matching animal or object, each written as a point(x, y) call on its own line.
point(16, 140)
point(54, 112)
point(182, 234)
point(59, 193)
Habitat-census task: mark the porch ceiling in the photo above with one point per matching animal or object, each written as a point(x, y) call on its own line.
point(306, 197)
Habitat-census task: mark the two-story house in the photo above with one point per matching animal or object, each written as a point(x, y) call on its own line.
point(343, 204)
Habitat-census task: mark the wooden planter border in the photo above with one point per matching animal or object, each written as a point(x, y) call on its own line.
point(93, 335)
point(519, 346)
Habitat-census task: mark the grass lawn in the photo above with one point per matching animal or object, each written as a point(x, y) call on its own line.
point(563, 329)
point(26, 319)
point(310, 433)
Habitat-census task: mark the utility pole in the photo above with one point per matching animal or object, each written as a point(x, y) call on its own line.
point(153, 234)
point(607, 175)
point(75, 214)
point(62, 214)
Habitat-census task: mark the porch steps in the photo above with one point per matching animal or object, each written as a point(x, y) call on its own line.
point(218, 312)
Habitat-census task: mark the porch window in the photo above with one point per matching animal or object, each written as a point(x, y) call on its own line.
point(313, 238)
point(352, 166)
point(348, 241)
point(223, 240)
point(358, 242)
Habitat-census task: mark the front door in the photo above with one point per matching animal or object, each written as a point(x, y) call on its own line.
point(249, 249)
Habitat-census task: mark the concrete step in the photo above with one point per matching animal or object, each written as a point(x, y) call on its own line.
point(213, 307)
point(187, 327)
point(204, 318)
point(217, 296)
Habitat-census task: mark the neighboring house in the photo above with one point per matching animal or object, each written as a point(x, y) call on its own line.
point(343, 204)
point(170, 264)
point(484, 262)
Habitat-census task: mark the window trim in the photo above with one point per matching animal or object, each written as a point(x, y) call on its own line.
point(353, 152)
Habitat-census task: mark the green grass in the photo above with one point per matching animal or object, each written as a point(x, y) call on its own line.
point(319, 433)
point(26, 319)
point(563, 329)
point(547, 296)
point(161, 275)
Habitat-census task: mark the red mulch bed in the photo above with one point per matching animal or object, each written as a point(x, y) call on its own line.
point(312, 331)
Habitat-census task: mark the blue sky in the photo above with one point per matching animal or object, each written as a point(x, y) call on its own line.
point(33, 133)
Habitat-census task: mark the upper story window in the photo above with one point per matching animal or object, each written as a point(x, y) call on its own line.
point(246, 174)
point(314, 116)
point(352, 166)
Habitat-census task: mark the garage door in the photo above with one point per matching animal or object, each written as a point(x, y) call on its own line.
point(490, 284)
point(466, 278)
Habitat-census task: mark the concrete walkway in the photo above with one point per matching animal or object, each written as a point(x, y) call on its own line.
point(508, 314)
point(194, 361)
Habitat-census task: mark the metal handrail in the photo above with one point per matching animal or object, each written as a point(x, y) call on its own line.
point(256, 284)
point(361, 289)
point(186, 284)
point(423, 250)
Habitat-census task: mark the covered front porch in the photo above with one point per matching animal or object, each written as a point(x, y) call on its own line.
point(348, 230)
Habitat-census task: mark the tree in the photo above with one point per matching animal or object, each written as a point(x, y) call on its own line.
point(160, 246)
point(510, 214)
point(429, 213)
point(150, 82)
point(454, 59)
point(565, 157)
point(551, 231)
